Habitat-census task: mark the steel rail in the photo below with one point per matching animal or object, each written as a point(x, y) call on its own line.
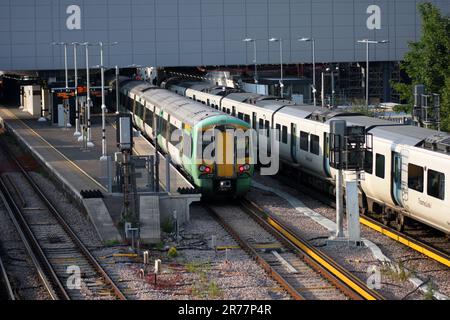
point(6, 282)
point(43, 267)
point(416, 244)
point(93, 261)
point(338, 275)
point(252, 252)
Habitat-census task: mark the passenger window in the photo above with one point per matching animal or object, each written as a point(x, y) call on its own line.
point(277, 130)
point(379, 165)
point(247, 118)
point(415, 177)
point(261, 123)
point(267, 126)
point(304, 140)
point(284, 134)
point(314, 147)
point(368, 162)
point(436, 184)
point(240, 115)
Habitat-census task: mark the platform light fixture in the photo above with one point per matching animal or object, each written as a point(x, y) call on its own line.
point(281, 62)
point(313, 46)
point(367, 42)
point(66, 100)
point(88, 97)
point(103, 107)
point(64, 44)
point(77, 110)
point(254, 56)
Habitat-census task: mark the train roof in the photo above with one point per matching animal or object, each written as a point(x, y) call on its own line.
point(402, 133)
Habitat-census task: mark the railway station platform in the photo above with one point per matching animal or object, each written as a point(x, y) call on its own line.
point(78, 169)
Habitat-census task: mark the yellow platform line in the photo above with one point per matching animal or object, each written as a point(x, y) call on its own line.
point(61, 154)
point(406, 242)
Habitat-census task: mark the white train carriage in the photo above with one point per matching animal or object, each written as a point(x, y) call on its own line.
point(408, 178)
point(408, 166)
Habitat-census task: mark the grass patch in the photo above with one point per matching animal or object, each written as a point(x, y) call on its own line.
point(172, 253)
point(167, 225)
point(429, 294)
point(110, 243)
point(396, 272)
point(159, 245)
point(204, 288)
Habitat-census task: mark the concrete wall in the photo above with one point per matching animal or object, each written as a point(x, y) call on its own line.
point(204, 32)
point(32, 100)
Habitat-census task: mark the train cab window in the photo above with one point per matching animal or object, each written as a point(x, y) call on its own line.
point(240, 115)
point(379, 165)
point(304, 140)
point(415, 177)
point(284, 134)
point(277, 131)
point(314, 145)
point(368, 162)
point(435, 184)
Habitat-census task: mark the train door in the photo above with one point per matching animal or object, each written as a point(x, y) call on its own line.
point(294, 142)
point(400, 177)
point(404, 174)
point(397, 178)
point(225, 147)
point(326, 153)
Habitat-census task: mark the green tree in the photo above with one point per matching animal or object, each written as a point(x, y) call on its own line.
point(428, 61)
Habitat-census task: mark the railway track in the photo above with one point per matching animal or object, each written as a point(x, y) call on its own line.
point(6, 291)
point(64, 264)
point(303, 271)
point(436, 247)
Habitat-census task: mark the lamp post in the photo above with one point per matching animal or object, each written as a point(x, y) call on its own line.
point(281, 62)
point(367, 42)
point(117, 89)
point(77, 110)
point(88, 96)
point(103, 107)
point(313, 45)
point(66, 102)
point(254, 56)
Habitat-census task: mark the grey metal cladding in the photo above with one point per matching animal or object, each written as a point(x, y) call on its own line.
point(204, 32)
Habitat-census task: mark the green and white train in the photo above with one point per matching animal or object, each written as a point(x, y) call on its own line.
point(157, 113)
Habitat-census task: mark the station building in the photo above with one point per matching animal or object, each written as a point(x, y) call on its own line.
point(209, 33)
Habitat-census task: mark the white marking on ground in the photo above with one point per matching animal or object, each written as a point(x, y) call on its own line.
point(290, 268)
